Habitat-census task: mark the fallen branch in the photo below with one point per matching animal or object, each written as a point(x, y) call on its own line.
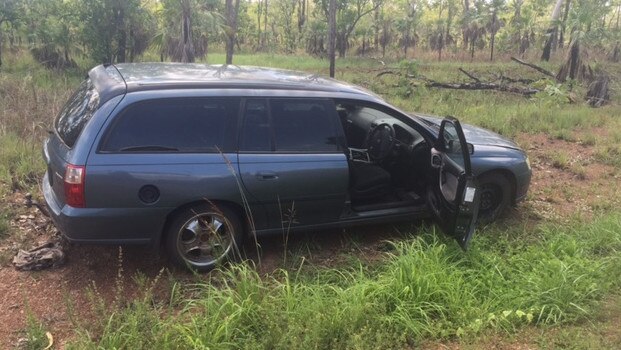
point(470, 75)
point(513, 80)
point(395, 73)
point(535, 67)
point(386, 72)
point(482, 86)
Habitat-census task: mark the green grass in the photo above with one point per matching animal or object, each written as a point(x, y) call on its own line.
point(4, 223)
point(426, 289)
point(35, 337)
point(560, 160)
point(21, 163)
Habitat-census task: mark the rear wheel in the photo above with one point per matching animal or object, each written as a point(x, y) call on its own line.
point(203, 236)
point(495, 196)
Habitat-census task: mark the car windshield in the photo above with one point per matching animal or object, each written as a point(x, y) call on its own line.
point(77, 112)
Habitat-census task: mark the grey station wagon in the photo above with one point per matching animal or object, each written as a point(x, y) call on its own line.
point(198, 156)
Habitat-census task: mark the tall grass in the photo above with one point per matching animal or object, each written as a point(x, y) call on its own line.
point(426, 288)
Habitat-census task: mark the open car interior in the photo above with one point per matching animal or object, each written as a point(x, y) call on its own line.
point(388, 159)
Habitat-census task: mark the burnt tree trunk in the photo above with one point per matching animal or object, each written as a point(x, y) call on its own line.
point(599, 91)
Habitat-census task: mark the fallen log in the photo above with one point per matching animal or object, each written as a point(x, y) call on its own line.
point(514, 80)
point(385, 72)
point(526, 91)
point(535, 67)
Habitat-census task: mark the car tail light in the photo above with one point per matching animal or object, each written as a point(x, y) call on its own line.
point(74, 186)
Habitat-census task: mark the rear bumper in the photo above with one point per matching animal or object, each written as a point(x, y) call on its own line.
point(105, 225)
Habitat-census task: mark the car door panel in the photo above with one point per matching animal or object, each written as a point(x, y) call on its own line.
point(296, 189)
point(289, 162)
point(452, 195)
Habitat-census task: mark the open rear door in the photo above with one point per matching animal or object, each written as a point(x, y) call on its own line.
point(453, 195)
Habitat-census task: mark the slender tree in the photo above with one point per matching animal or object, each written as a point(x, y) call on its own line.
point(186, 44)
point(332, 36)
point(232, 9)
point(551, 32)
point(494, 24)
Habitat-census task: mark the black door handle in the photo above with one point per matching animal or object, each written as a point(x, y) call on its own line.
point(267, 175)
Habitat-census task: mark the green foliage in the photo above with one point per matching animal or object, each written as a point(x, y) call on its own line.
point(4, 224)
point(409, 67)
point(427, 288)
point(35, 334)
point(119, 30)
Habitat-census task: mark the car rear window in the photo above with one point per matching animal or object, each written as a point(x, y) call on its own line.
point(77, 112)
point(175, 125)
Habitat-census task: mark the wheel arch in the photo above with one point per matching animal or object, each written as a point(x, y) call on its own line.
point(508, 175)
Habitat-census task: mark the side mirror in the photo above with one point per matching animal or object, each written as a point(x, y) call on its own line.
point(470, 148)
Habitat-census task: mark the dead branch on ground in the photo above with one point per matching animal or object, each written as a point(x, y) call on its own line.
point(535, 67)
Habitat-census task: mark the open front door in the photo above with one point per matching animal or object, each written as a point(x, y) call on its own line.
point(453, 195)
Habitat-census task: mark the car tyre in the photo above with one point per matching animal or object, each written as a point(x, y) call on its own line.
point(202, 237)
point(495, 196)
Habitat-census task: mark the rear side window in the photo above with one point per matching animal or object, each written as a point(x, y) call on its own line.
point(77, 112)
point(174, 125)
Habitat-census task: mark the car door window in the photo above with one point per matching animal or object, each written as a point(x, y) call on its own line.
point(304, 125)
point(174, 125)
point(453, 151)
point(289, 126)
point(256, 132)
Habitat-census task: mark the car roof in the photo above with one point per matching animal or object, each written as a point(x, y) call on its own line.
point(112, 80)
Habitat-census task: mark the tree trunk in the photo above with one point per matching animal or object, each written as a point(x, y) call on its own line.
point(1, 43)
point(561, 39)
point(440, 44)
point(185, 51)
point(122, 48)
point(376, 28)
point(332, 35)
point(231, 15)
point(494, 29)
point(552, 31)
point(464, 31)
point(341, 43)
point(491, 53)
point(259, 15)
point(264, 42)
point(301, 15)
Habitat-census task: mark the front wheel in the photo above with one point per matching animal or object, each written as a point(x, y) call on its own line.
point(495, 196)
point(203, 236)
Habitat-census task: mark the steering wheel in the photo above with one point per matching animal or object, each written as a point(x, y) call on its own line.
point(381, 141)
